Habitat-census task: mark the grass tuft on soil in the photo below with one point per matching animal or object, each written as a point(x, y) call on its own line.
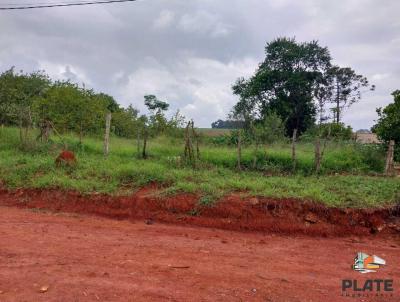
point(123, 172)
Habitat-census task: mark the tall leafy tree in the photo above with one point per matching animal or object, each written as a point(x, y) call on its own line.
point(285, 83)
point(344, 88)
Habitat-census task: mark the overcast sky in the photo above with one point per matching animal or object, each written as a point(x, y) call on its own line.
point(189, 52)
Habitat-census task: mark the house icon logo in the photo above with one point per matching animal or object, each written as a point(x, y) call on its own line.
point(365, 263)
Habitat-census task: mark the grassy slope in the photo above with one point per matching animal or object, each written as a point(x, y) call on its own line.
point(122, 172)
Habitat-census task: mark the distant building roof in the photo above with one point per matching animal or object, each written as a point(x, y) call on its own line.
point(367, 138)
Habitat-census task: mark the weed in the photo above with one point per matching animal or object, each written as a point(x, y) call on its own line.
point(213, 177)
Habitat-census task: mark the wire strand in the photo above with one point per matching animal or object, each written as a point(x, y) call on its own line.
point(43, 3)
point(65, 4)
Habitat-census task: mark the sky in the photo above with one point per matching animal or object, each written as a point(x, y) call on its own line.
point(190, 52)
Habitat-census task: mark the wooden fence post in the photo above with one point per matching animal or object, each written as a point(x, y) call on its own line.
point(318, 154)
point(196, 137)
point(138, 142)
point(107, 135)
point(187, 144)
point(190, 141)
point(389, 167)
point(294, 159)
point(145, 134)
point(239, 151)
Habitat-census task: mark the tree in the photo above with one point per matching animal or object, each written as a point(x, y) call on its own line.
point(157, 119)
point(285, 83)
point(228, 124)
point(18, 91)
point(322, 94)
point(7, 105)
point(156, 123)
point(155, 104)
point(110, 102)
point(176, 124)
point(72, 108)
point(144, 122)
point(388, 124)
point(125, 122)
point(344, 88)
point(32, 99)
point(268, 131)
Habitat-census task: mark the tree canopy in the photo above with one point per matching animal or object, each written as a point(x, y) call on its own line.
point(33, 99)
point(294, 80)
point(343, 88)
point(284, 83)
point(154, 104)
point(72, 108)
point(388, 124)
point(18, 91)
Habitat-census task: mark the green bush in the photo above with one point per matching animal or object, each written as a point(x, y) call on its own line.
point(339, 132)
point(373, 156)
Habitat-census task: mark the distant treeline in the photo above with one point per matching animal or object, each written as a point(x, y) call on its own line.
point(228, 124)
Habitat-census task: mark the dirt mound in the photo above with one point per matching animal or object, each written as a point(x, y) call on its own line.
point(285, 216)
point(66, 158)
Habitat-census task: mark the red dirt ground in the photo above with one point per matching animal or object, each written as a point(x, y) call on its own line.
point(89, 258)
point(83, 258)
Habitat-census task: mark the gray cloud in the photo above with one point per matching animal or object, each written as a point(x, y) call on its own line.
point(190, 52)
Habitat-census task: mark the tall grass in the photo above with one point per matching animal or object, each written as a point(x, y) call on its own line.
point(123, 171)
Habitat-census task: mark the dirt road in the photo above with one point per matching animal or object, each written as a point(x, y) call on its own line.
point(87, 258)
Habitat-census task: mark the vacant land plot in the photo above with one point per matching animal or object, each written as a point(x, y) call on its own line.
point(264, 224)
point(350, 175)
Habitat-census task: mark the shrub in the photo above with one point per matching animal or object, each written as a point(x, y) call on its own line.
point(373, 156)
point(330, 130)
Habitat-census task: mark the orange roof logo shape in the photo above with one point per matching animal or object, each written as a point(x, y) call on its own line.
point(365, 263)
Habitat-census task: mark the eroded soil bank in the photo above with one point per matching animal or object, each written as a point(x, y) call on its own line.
point(283, 216)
